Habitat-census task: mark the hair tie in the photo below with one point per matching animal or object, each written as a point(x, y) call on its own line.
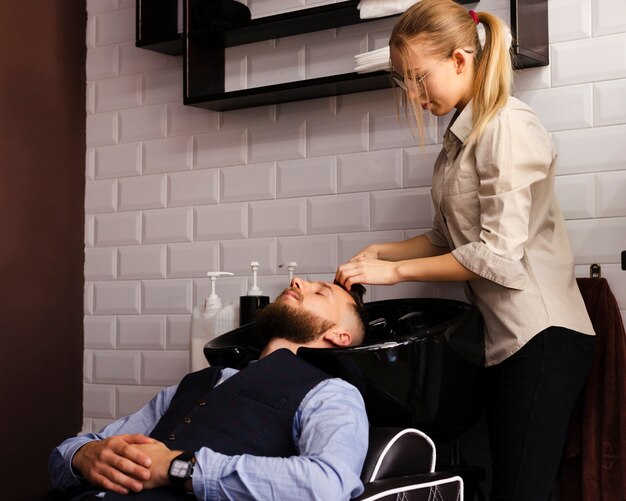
point(474, 16)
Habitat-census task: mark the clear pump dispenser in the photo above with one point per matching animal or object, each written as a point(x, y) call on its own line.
point(210, 321)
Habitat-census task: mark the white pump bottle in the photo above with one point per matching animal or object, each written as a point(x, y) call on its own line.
point(210, 321)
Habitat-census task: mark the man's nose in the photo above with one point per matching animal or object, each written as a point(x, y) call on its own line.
point(299, 283)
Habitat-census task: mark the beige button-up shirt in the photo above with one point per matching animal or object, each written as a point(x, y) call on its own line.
point(496, 210)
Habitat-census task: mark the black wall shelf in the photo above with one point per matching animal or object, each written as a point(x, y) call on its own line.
point(203, 82)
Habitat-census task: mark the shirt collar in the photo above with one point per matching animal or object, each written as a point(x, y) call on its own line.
point(462, 123)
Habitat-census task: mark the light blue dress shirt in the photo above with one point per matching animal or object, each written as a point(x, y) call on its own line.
point(330, 430)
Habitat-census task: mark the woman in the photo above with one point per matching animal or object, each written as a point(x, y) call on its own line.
point(498, 227)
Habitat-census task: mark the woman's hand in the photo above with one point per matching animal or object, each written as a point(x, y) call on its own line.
point(371, 251)
point(367, 270)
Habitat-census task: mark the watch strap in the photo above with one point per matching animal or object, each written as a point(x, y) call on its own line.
point(179, 481)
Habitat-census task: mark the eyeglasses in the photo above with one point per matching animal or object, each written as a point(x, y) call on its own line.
point(399, 79)
point(419, 82)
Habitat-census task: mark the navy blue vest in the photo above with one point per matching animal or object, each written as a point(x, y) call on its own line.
point(252, 412)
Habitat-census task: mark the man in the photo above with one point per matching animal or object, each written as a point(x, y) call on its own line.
point(279, 429)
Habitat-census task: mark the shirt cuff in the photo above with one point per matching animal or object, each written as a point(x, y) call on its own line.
point(476, 257)
point(207, 473)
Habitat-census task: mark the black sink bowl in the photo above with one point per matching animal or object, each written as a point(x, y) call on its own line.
point(420, 365)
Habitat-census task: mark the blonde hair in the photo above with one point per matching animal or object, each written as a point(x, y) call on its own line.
point(444, 26)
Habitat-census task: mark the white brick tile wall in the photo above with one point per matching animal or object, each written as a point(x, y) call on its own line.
point(144, 192)
point(117, 298)
point(569, 20)
point(168, 225)
point(145, 261)
point(177, 337)
point(336, 213)
point(236, 255)
point(164, 368)
point(99, 401)
point(117, 161)
point(192, 260)
point(147, 122)
point(167, 155)
point(310, 176)
point(102, 129)
point(398, 209)
point(609, 16)
point(589, 150)
point(183, 120)
point(369, 171)
point(115, 26)
point(220, 149)
point(100, 264)
point(248, 182)
point(224, 221)
point(162, 86)
point(117, 229)
point(101, 196)
point(344, 134)
point(417, 165)
point(282, 141)
point(116, 367)
point(579, 61)
point(277, 217)
point(351, 243)
point(611, 194)
point(311, 181)
point(597, 240)
point(576, 195)
point(166, 296)
point(314, 254)
point(193, 188)
point(117, 93)
point(132, 398)
point(133, 60)
point(145, 332)
point(100, 332)
point(562, 108)
point(609, 102)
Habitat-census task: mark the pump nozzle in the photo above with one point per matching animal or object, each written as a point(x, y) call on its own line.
point(254, 290)
point(291, 266)
point(214, 301)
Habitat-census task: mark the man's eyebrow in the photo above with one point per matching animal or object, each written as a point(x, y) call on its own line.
point(327, 285)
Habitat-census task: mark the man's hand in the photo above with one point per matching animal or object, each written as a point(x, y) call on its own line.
point(116, 463)
point(161, 458)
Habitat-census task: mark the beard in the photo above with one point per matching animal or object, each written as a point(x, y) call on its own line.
point(293, 324)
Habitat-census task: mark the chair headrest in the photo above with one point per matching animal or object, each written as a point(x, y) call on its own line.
point(395, 452)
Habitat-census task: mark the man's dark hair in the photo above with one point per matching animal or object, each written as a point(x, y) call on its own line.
point(357, 291)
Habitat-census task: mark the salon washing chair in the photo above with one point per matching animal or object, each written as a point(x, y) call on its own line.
point(419, 371)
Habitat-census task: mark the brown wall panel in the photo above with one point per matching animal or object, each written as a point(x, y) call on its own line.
point(42, 185)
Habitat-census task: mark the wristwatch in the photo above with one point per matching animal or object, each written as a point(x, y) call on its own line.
point(181, 469)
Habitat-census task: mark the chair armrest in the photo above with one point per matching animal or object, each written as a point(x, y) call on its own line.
point(420, 487)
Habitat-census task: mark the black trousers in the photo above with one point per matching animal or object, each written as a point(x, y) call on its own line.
point(531, 396)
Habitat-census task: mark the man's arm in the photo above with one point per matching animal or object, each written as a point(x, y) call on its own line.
point(331, 433)
point(71, 462)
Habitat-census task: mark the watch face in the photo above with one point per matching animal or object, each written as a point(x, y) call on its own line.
point(180, 469)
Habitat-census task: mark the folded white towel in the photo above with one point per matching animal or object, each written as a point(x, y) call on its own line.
point(374, 60)
point(380, 8)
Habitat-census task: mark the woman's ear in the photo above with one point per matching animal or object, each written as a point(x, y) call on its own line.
point(460, 60)
point(338, 336)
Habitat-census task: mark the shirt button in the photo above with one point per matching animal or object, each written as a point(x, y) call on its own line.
point(201, 403)
point(171, 436)
point(187, 420)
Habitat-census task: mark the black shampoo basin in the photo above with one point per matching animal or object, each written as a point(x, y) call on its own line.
point(420, 365)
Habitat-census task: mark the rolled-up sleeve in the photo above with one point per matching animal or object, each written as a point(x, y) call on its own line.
point(513, 154)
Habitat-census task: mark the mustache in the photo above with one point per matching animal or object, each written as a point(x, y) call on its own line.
point(294, 290)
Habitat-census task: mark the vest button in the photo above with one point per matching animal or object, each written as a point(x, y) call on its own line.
point(171, 436)
point(201, 403)
point(187, 420)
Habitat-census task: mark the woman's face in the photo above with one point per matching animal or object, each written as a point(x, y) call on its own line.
point(446, 83)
